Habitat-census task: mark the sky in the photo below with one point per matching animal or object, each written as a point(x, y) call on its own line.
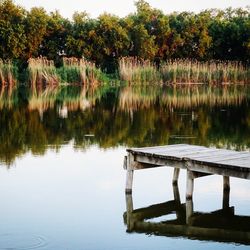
point(124, 7)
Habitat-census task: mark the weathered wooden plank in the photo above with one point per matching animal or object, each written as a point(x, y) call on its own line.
point(199, 156)
point(221, 153)
point(178, 162)
point(214, 154)
point(240, 163)
point(159, 149)
point(192, 150)
point(190, 153)
point(221, 158)
point(161, 161)
point(237, 164)
point(238, 172)
point(149, 149)
point(179, 149)
point(154, 147)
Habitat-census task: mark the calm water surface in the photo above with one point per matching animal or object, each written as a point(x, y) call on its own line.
point(61, 157)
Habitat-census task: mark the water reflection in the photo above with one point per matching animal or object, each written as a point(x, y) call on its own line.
point(8, 96)
point(133, 98)
point(65, 98)
point(220, 225)
point(35, 120)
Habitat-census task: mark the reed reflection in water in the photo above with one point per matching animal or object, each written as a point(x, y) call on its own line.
point(182, 97)
point(130, 116)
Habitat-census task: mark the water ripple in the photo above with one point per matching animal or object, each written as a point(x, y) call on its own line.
point(10, 241)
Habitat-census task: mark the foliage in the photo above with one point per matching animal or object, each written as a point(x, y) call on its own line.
point(148, 34)
point(12, 30)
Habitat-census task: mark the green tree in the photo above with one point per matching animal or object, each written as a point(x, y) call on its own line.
point(76, 40)
point(192, 39)
point(12, 30)
point(230, 32)
point(36, 27)
point(112, 40)
point(53, 44)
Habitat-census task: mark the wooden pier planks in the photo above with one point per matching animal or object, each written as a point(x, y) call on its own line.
point(196, 154)
point(197, 160)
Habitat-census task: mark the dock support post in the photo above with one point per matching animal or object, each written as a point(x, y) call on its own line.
point(189, 185)
point(226, 192)
point(189, 211)
point(176, 176)
point(189, 195)
point(176, 193)
point(130, 173)
point(129, 181)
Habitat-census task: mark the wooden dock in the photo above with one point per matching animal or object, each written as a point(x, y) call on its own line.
point(197, 160)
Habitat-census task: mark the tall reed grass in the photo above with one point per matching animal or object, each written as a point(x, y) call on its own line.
point(8, 76)
point(133, 69)
point(136, 70)
point(76, 70)
point(211, 72)
point(7, 73)
point(42, 72)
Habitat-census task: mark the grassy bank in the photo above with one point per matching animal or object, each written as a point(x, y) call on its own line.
point(8, 82)
point(8, 73)
point(42, 72)
point(211, 72)
point(134, 70)
point(81, 71)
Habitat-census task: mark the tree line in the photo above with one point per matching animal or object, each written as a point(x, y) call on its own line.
point(148, 33)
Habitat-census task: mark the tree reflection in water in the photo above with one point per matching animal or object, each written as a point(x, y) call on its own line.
point(129, 116)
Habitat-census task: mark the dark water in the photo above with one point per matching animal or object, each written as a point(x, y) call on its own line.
point(61, 155)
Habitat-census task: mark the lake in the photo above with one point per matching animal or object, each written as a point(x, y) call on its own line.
point(62, 180)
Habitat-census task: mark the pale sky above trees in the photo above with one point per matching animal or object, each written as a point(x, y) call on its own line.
point(124, 7)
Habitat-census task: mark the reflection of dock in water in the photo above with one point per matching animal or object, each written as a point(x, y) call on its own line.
point(220, 225)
